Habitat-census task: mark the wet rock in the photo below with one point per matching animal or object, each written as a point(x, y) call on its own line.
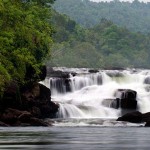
point(134, 117)
point(36, 98)
point(2, 124)
point(11, 96)
point(35, 111)
point(147, 124)
point(114, 74)
point(11, 116)
point(146, 117)
point(38, 122)
point(24, 117)
point(62, 85)
point(93, 71)
point(147, 80)
point(112, 103)
point(126, 98)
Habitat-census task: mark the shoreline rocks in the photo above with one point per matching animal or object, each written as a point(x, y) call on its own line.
point(136, 117)
point(27, 105)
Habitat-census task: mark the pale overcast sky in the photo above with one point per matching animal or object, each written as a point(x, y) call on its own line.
point(120, 0)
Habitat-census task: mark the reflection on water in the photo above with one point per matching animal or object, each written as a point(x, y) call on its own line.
point(73, 138)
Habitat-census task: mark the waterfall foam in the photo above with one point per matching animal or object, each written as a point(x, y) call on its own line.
point(88, 90)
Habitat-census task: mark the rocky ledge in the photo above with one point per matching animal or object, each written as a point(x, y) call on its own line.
point(136, 117)
point(27, 106)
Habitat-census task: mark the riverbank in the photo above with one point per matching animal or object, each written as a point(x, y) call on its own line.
point(27, 105)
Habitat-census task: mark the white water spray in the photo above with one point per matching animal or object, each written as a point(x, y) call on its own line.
point(89, 90)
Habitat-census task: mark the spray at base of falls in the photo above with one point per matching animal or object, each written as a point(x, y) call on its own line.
point(89, 90)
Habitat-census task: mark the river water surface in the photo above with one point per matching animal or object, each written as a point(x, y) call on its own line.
point(83, 122)
point(73, 138)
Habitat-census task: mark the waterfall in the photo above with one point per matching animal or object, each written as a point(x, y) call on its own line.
point(82, 96)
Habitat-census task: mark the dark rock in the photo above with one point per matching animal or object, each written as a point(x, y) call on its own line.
point(115, 103)
point(24, 117)
point(11, 96)
point(147, 124)
point(36, 112)
point(45, 93)
point(114, 68)
point(126, 98)
point(115, 74)
point(93, 71)
point(38, 122)
point(128, 104)
point(146, 117)
point(147, 80)
point(31, 75)
point(125, 94)
point(11, 116)
point(134, 117)
point(58, 73)
point(2, 124)
point(37, 99)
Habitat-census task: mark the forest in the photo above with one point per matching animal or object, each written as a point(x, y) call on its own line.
point(25, 38)
point(33, 33)
point(105, 45)
point(133, 16)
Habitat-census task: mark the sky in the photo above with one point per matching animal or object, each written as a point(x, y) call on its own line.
point(120, 0)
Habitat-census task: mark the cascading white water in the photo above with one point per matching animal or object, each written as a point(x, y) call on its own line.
point(89, 90)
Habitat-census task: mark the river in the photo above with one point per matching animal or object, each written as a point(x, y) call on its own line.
point(73, 138)
point(83, 122)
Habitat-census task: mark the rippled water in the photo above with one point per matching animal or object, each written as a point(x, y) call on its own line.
point(75, 138)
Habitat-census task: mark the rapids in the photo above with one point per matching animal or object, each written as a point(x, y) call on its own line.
point(88, 90)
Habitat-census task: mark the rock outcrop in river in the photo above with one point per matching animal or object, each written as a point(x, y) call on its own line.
point(27, 105)
point(136, 117)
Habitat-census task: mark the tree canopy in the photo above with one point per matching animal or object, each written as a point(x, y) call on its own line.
point(103, 46)
point(25, 37)
point(134, 16)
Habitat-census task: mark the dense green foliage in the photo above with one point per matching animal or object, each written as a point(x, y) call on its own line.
point(27, 29)
point(105, 45)
point(134, 16)
point(25, 38)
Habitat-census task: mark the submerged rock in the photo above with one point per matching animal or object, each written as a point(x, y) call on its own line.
point(147, 80)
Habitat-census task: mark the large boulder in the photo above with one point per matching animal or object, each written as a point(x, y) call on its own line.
point(146, 117)
point(127, 98)
point(134, 117)
point(36, 98)
point(14, 117)
point(11, 96)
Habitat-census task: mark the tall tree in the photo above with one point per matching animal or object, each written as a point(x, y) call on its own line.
point(25, 37)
